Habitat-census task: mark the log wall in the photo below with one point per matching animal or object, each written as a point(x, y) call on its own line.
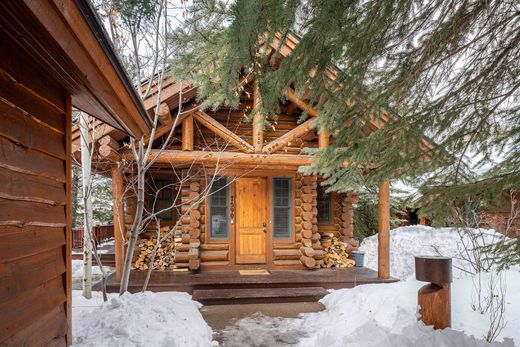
point(35, 116)
point(238, 121)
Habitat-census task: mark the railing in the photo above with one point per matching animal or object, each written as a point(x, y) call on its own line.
point(100, 233)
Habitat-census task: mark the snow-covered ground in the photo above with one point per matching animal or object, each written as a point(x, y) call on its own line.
point(386, 314)
point(144, 319)
point(368, 315)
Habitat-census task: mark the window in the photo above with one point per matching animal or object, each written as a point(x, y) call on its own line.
point(163, 196)
point(219, 208)
point(324, 205)
point(282, 207)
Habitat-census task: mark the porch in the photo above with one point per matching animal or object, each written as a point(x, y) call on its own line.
point(232, 286)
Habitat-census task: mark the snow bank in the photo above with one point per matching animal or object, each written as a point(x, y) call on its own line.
point(407, 242)
point(144, 319)
point(386, 314)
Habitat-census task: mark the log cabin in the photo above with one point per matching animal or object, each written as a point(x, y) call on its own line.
point(54, 56)
point(242, 203)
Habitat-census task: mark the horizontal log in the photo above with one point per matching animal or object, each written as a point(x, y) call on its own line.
point(181, 257)
point(287, 262)
point(202, 157)
point(214, 246)
point(207, 256)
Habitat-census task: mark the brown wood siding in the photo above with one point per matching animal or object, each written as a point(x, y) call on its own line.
point(34, 193)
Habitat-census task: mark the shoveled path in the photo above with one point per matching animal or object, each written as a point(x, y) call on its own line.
point(273, 324)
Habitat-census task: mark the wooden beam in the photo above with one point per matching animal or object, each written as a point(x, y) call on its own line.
point(223, 132)
point(118, 188)
point(164, 114)
point(108, 147)
point(187, 134)
point(303, 105)
point(258, 120)
point(203, 157)
point(289, 136)
point(324, 138)
point(383, 226)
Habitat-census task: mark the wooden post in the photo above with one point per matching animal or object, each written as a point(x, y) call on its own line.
point(383, 226)
point(187, 134)
point(323, 138)
point(258, 120)
point(118, 188)
point(422, 220)
point(434, 298)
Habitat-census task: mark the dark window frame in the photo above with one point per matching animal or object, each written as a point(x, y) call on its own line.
point(158, 187)
point(289, 233)
point(227, 190)
point(329, 218)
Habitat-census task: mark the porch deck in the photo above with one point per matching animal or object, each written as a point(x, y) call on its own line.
point(230, 286)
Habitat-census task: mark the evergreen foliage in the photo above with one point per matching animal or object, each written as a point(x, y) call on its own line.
point(102, 210)
point(448, 70)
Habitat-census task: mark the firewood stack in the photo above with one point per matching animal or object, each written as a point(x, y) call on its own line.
point(336, 252)
point(165, 257)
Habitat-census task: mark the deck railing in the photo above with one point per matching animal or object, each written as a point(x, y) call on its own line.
point(100, 233)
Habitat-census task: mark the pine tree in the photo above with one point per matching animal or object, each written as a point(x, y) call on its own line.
point(446, 70)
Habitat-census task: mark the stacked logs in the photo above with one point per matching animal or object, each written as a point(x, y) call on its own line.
point(192, 210)
point(165, 256)
point(336, 252)
point(347, 221)
point(306, 221)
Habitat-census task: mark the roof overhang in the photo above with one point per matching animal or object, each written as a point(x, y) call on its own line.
point(67, 40)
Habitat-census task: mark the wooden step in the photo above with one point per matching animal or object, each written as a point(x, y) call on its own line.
point(258, 295)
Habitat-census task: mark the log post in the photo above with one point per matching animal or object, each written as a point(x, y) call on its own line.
point(258, 120)
point(118, 188)
point(434, 299)
point(187, 134)
point(323, 138)
point(383, 226)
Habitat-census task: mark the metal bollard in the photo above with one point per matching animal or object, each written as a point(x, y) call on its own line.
point(434, 298)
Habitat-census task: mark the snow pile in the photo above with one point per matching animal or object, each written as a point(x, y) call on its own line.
point(386, 314)
point(144, 319)
point(407, 242)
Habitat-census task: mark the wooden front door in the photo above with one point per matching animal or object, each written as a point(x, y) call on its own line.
point(251, 220)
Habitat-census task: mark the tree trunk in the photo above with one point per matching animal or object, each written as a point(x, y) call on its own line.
point(87, 223)
point(136, 226)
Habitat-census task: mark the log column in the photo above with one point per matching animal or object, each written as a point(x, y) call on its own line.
point(324, 138)
point(187, 254)
point(307, 223)
point(347, 221)
point(258, 120)
point(118, 188)
point(187, 134)
point(383, 226)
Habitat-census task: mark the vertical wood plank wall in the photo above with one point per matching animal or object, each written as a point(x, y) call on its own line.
point(34, 194)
